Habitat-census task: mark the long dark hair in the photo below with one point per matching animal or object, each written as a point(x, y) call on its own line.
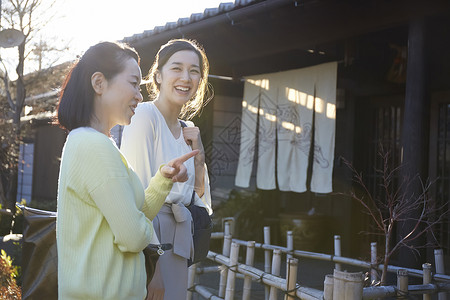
point(204, 92)
point(75, 107)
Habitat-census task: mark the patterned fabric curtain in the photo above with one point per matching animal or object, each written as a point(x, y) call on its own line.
point(277, 119)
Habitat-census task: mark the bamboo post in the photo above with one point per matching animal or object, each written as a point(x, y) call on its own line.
point(426, 278)
point(439, 263)
point(249, 260)
point(227, 228)
point(347, 286)
point(232, 269)
point(223, 272)
point(373, 262)
point(276, 268)
point(328, 287)
point(402, 284)
point(291, 279)
point(192, 270)
point(337, 250)
point(267, 258)
point(205, 293)
point(290, 243)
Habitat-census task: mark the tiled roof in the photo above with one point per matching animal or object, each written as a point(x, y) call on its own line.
point(196, 17)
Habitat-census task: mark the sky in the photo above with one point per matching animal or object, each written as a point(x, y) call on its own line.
point(82, 23)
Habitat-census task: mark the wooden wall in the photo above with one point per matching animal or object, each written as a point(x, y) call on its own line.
point(223, 146)
point(49, 141)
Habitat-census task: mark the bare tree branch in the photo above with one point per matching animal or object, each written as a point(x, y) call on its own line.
point(396, 205)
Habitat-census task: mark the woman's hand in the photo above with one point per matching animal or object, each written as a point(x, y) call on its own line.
point(192, 137)
point(155, 289)
point(175, 168)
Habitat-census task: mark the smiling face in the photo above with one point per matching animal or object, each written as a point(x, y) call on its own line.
point(120, 95)
point(179, 78)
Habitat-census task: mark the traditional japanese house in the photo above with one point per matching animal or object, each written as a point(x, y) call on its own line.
point(392, 88)
point(388, 84)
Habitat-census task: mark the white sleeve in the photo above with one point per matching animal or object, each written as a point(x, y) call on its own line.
point(137, 144)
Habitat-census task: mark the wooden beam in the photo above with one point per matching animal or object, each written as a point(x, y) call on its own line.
point(323, 22)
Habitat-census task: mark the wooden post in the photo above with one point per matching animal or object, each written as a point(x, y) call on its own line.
point(328, 287)
point(267, 258)
point(290, 243)
point(229, 291)
point(439, 262)
point(192, 270)
point(373, 262)
point(414, 139)
point(291, 279)
point(224, 272)
point(402, 284)
point(249, 260)
point(347, 286)
point(337, 250)
point(426, 278)
point(276, 268)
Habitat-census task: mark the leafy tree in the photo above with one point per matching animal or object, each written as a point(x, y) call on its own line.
point(27, 16)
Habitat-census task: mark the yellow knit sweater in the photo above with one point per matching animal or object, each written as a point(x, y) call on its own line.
point(103, 220)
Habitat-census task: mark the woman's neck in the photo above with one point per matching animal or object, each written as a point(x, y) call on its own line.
point(170, 112)
point(100, 126)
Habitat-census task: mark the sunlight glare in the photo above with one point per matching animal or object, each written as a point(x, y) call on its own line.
point(263, 83)
point(83, 23)
point(296, 96)
point(288, 125)
point(319, 105)
point(310, 102)
point(252, 109)
point(331, 111)
point(270, 117)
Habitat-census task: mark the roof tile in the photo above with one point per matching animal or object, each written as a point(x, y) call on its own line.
point(195, 17)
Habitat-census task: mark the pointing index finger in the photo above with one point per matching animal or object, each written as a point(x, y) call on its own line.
point(186, 156)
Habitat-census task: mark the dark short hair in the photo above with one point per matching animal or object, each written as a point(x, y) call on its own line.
point(75, 107)
point(204, 91)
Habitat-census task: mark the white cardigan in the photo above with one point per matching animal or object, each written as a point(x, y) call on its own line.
point(148, 142)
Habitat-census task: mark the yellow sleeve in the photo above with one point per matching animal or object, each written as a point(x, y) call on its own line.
point(156, 193)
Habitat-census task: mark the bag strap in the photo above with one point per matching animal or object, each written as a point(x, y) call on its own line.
point(183, 124)
point(193, 198)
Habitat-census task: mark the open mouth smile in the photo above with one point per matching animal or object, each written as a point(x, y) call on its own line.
point(182, 89)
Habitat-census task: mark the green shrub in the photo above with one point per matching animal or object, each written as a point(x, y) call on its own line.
point(9, 290)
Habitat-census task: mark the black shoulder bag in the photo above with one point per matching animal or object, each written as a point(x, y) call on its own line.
point(202, 227)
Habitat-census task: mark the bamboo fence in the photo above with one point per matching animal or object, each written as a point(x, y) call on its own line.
point(340, 285)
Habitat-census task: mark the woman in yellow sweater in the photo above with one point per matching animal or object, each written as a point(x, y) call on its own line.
point(104, 214)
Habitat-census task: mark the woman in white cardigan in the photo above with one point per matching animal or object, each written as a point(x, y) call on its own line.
point(178, 85)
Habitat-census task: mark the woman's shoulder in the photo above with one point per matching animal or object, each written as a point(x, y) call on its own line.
point(147, 107)
point(146, 114)
point(86, 134)
point(91, 148)
point(87, 139)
